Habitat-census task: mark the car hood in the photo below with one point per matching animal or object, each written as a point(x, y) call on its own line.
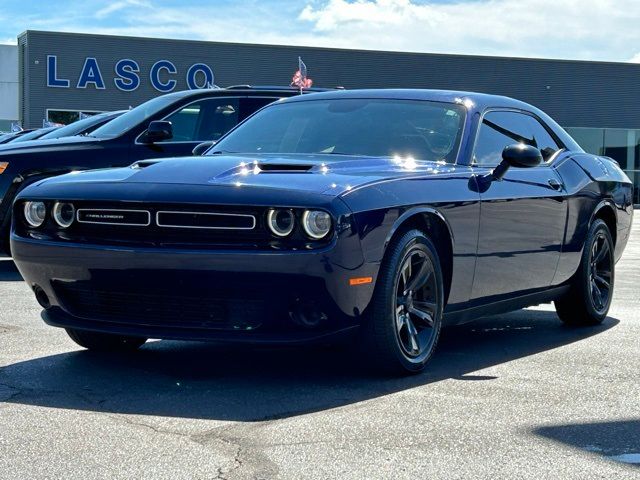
point(323, 174)
point(47, 144)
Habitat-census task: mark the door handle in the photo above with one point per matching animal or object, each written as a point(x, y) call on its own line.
point(555, 184)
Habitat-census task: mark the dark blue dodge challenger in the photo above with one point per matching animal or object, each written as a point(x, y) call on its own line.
point(381, 213)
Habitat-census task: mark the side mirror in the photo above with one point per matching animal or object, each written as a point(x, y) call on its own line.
point(199, 149)
point(519, 156)
point(158, 131)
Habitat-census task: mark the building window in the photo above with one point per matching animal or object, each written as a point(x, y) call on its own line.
point(623, 145)
point(67, 116)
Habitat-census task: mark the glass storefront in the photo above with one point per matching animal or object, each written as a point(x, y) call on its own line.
point(66, 117)
point(5, 125)
point(620, 144)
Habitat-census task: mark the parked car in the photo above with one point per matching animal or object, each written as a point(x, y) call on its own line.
point(170, 125)
point(84, 126)
point(387, 212)
point(79, 127)
point(33, 135)
point(9, 137)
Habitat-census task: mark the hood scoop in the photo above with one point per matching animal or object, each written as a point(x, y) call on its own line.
point(284, 167)
point(145, 163)
point(252, 169)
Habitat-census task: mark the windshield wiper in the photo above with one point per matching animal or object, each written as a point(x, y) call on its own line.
point(221, 152)
point(343, 154)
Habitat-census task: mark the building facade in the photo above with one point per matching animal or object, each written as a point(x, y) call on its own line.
point(64, 74)
point(8, 86)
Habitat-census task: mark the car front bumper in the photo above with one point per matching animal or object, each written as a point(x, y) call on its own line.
point(197, 294)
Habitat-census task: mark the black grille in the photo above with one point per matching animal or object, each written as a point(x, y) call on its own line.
point(104, 216)
point(154, 309)
point(153, 225)
point(206, 220)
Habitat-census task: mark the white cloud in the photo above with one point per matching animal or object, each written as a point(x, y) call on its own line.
point(8, 41)
point(579, 29)
point(635, 58)
point(113, 7)
point(585, 29)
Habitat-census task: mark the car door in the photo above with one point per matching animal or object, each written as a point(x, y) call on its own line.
point(200, 121)
point(522, 216)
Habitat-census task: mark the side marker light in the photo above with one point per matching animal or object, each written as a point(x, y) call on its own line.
point(360, 281)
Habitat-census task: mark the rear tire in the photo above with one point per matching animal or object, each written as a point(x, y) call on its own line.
point(589, 298)
point(404, 318)
point(105, 342)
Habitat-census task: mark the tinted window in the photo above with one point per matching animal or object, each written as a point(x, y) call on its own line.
point(204, 120)
point(210, 119)
point(501, 129)
point(185, 122)
point(33, 135)
point(80, 126)
point(590, 139)
point(375, 127)
point(617, 145)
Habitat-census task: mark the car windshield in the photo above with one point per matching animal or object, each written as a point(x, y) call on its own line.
point(422, 130)
point(77, 127)
point(32, 135)
point(133, 117)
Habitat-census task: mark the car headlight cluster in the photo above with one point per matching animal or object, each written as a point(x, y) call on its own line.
point(315, 223)
point(64, 214)
point(35, 214)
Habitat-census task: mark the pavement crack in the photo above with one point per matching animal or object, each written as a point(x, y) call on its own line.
point(237, 461)
point(161, 431)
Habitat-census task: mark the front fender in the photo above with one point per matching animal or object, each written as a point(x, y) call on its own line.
point(407, 214)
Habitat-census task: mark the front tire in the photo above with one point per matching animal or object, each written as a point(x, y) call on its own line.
point(405, 316)
point(5, 243)
point(591, 291)
point(105, 342)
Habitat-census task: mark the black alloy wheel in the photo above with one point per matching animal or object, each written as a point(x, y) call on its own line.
point(591, 290)
point(416, 303)
point(601, 271)
point(404, 318)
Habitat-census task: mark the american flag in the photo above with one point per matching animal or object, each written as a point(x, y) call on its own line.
point(300, 78)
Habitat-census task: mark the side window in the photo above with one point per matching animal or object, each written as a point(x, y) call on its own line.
point(501, 129)
point(204, 120)
point(184, 123)
point(250, 105)
point(542, 138)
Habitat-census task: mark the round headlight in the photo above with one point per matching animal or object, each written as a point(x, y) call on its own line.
point(281, 222)
point(35, 213)
point(64, 214)
point(316, 223)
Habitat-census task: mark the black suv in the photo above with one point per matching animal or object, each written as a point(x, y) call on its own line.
point(168, 126)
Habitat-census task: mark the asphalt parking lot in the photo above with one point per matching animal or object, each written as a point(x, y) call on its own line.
point(510, 396)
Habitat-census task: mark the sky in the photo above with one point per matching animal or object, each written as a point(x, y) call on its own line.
point(604, 30)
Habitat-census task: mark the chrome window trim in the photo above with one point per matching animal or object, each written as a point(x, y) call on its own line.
point(114, 210)
point(205, 213)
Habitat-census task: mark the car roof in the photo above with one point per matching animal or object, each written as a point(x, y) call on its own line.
point(108, 114)
point(472, 100)
point(245, 90)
